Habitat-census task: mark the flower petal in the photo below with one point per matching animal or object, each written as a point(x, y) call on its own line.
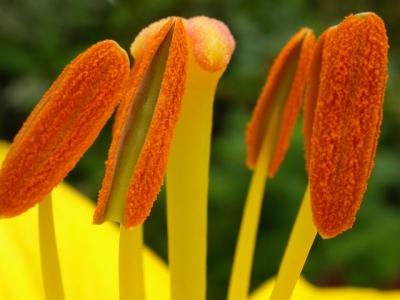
point(305, 290)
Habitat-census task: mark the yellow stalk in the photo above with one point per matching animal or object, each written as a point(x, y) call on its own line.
point(243, 260)
point(131, 280)
point(51, 272)
point(300, 242)
point(187, 185)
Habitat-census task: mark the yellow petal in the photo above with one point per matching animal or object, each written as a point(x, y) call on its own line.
point(88, 253)
point(306, 291)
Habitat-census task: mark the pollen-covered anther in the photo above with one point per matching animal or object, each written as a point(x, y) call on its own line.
point(282, 93)
point(145, 37)
point(144, 125)
point(62, 126)
point(311, 93)
point(347, 120)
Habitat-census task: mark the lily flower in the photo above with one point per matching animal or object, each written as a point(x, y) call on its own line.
point(343, 115)
point(268, 136)
point(163, 127)
point(60, 129)
point(95, 253)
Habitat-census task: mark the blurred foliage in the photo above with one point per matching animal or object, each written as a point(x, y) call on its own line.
point(39, 37)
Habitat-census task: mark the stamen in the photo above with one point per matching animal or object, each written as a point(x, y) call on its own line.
point(142, 136)
point(57, 133)
point(187, 180)
point(62, 126)
point(243, 260)
point(343, 111)
point(268, 136)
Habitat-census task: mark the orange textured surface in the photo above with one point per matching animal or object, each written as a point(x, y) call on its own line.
point(347, 120)
point(63, 125)
point(138, 71)
point(145, 36)
point(256, 127)
point(311, 94)
point(149, 172)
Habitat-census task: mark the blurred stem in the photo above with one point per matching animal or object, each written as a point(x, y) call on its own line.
point(131, 280)
point(51, 272)
point(300, 242)
point(187, 186)
point(243, 259)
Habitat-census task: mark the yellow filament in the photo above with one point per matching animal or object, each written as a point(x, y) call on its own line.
point(300, 242)
point(243, 260)
point(187, 186)
point(131, 280)
point(51, 272)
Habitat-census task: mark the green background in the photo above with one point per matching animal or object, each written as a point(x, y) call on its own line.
point(39, 37)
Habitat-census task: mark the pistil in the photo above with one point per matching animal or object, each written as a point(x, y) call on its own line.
point(188, 165)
